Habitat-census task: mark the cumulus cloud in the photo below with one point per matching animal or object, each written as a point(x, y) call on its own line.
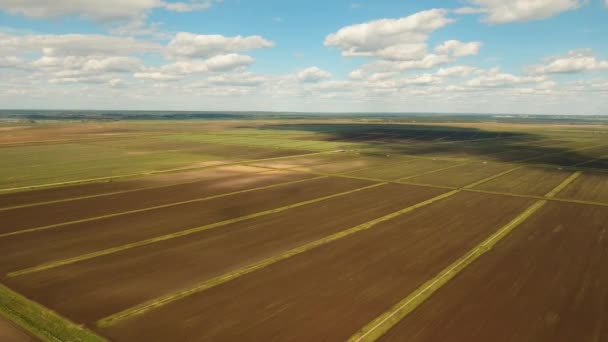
point(98, 58)
point(501, 12)
point(11, 62)
point(458, 49)
point(574, 61)
point(455, 71)
point(427, 62)
point(245, 79)
point(184, 68)
point(97, 10)
point(394, 39)
point(189, 45)
point(87, 65)
point(399, 45)
point(313, 74)
point(74, 45)
point(494, 78)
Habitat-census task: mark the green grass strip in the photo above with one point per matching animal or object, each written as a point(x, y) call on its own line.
point(213, 282)
point(379, 326)
point(383, 323)
point(168, 205)
point(564, 184)
point(141, 243)
point(40, 321)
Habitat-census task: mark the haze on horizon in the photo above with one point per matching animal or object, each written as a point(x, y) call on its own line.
point(463, 56)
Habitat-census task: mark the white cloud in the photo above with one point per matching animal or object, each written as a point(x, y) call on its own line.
point(246, 79)
point(189, 45)
point(398, 45)
point(469, 10)
point(74, 45)
point(184, 68)
point(427, 62)
point(496, 79)
point(313, 74)
point(455, 71)
point(501, 11)
point(394, 39)
point(86, 65)
point(574, 61)
point(11, 62)
point(97, 10)
point(457, 48)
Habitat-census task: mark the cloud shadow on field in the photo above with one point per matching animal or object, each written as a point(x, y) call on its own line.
point(448, 141)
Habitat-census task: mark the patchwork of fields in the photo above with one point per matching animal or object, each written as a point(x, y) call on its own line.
point(303, 230)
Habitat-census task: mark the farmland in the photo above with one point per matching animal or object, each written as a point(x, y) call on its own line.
point(303, 229)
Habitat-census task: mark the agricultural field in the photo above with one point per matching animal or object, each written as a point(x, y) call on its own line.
point(307, 228)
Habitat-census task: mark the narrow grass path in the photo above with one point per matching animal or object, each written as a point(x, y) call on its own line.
point(172, 297)
point(384, 322)
point(213, 282)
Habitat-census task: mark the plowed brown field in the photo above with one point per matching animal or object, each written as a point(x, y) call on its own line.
point(34, 248)
point(203, 255)
point(544, 282)
point(330, 292)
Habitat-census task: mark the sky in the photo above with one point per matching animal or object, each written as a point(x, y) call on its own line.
point(461, 56)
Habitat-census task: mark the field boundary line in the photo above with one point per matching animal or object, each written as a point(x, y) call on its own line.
point(383, 323)
point(393, 163)
point(432, 171)
point(491, 178)
point(112, 250)
point(465, 188)
point(343, 175)
point(40, 321)
point(224, 278)
point(70, 199)
point(152, 172)
point(552, 199)
point(60, 141)
point(564, 184)
point(162, 206)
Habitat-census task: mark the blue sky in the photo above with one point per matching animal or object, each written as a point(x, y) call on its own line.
point(487, 56)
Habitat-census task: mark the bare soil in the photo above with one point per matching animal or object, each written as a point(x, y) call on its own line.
point(588, 187)
point(462, 175)
point(25, 250)
point(125, 279)
point(91, 189)
point(54, 213)
point(546, 281)
point(330, 292)
point(9, 332)
point(527, 181)
point(400, 170)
